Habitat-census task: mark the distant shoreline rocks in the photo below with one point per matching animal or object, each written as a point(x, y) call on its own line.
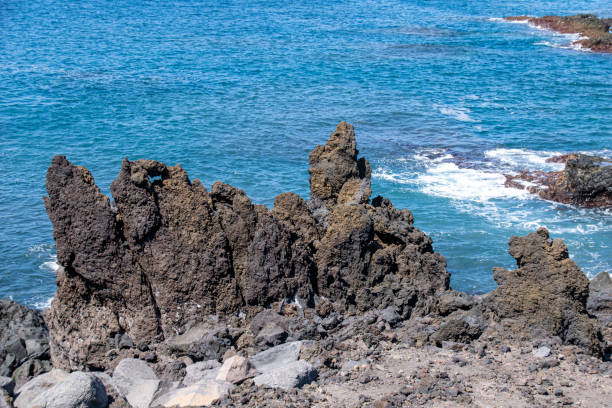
point(586, 181)
point(594, 32)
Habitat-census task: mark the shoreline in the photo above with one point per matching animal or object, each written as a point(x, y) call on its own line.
point(179, 291)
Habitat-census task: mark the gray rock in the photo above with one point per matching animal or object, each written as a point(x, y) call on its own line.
point(140, 394)
point(541, 352)
point(7, 384)
point(112, 391)
point(389, 315)
point(38, 385)
point(200, 394)
point(201, 371)
point(78, 390)
point(288, 376)
point(200, 342)
point(137, 381)
point(278, 356)
point(37, 349)
point(31, 368)
point(269, 336)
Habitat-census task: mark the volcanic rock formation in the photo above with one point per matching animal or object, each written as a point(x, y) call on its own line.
point(547, 294)
point(167, 252)
point(585, 181)
point(595, 32)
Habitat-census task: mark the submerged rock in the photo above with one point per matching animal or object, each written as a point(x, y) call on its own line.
point(168, 253)
point(585, 181)
point(595, 32)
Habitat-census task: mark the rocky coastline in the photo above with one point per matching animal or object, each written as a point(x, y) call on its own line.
point(594, 32)
point(173, 295)
point(586, 181)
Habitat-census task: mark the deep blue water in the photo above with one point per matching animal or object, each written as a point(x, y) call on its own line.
point(444, 98)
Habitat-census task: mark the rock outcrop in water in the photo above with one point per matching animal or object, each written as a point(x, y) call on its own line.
point(546, 295)
point(168, 252)
point(586, 181)
point(595, 32)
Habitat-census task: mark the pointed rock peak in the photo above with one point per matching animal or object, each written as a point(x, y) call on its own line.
point(334, 164)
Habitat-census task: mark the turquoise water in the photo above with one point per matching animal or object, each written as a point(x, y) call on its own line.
point(445, 98)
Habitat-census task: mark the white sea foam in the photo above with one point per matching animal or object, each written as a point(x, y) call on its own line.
point(50, 265)
point(503, 20)
point(45, 304)
point(461, 114)
point(525, 159)
point(451, 181)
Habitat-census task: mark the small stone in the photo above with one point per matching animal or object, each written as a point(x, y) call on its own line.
point(558, 392)
point(452, 392)
point(532, 367)
point(541, 352)
point(505, 349)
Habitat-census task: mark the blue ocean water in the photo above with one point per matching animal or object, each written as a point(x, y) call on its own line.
point(445, 98)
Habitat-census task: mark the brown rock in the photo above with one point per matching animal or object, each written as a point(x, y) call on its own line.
point(547, 292)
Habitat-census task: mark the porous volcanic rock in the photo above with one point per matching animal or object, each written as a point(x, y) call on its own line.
point(585, 181)
point(545, 296)
point(595, 32)
point(167, 253)
point(24, 343)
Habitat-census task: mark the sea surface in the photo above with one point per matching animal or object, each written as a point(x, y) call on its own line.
point(445, 98)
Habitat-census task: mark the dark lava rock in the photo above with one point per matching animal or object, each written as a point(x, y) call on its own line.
point(546, 293)
point(595, 32)
point(168, 252)
point(24, 341)
point(599, 305)
point(585, 181)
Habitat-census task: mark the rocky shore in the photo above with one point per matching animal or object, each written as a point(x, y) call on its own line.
point(594, 32)
point(585, 181)
point(173, 295)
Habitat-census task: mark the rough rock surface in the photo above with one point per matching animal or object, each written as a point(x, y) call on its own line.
point(24, 342)
point(129, 268)
point(78, 390)
point(599, 305)
point(596, 31)
point(585, 181)
point(546, 293)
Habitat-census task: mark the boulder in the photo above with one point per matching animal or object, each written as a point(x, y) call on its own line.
point(277, 357)
point(200, 342)
point(546, 293)
point(291, 375)
point(235, 370)
point(28, 392)
point(78, 390)
point(200, 394)
point(201, 372)
point(136, 381)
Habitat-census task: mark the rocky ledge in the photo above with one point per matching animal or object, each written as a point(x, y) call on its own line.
point(585, 181)
point(174, 295)
point(594, 32)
